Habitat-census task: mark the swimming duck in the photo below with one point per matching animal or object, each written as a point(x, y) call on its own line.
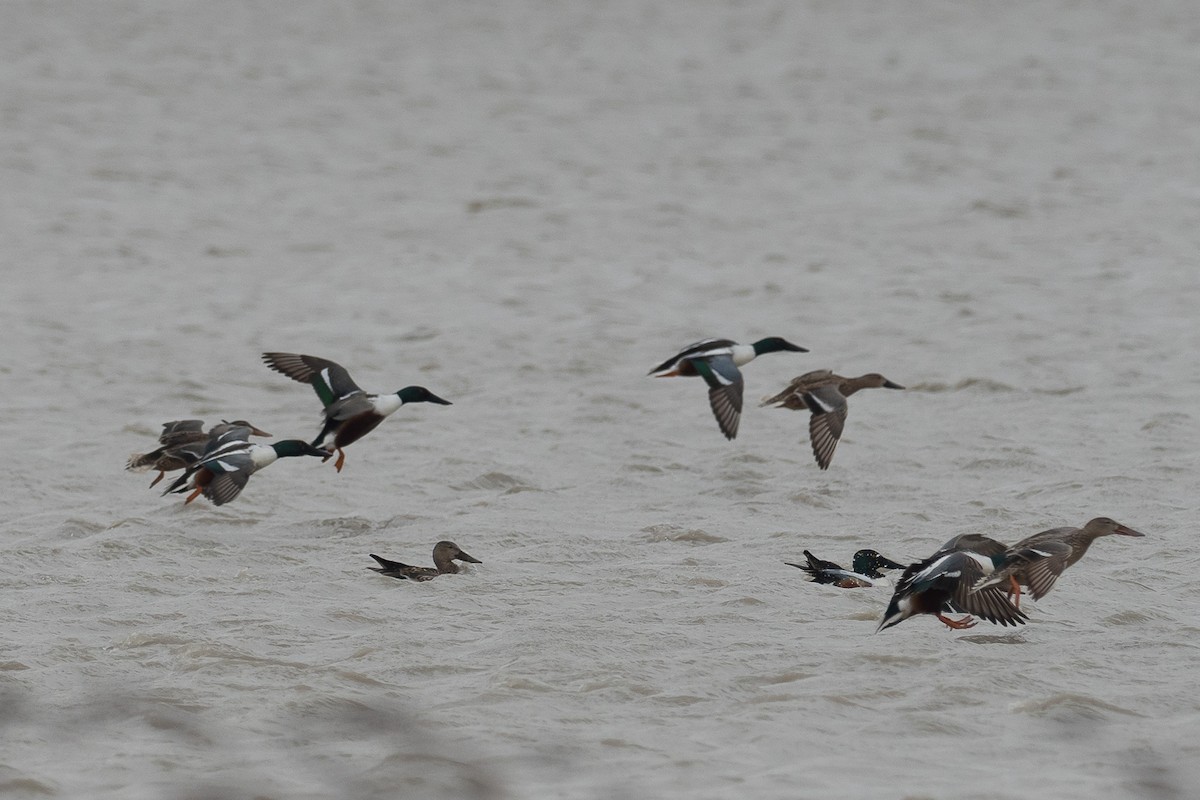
point(1038, 560)
point(944, 581)
point(444, 554)
point(824, 394)
point(350, 413)
point(182, 442)
point(865, 572)
point(229, 461)
point(717, 361)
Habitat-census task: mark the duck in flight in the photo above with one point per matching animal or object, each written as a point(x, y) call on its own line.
point(717, 361)
point(1038, 560)
point(350, 412)
point(824, 394)
point(228, 462)
point(182, 442)
point(944, 582)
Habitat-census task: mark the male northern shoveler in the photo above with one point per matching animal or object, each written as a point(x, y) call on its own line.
point(866, 571)
point(444, 554)
point(226, 466)
point(350, 413)
point(717, 361)
point(182, 442)
point(1038, 560)
point(824, 394)
point(944, 581)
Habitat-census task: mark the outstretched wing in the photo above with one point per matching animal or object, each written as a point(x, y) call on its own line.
point(991, 604)
point(224, 453)
point(953, 575)
point(182, 431)
point(1042, 573)
point(1037, 566)
point(824, 431)
point(229, 438)
point(226, 486)
point(725, 388)
point(329, 379)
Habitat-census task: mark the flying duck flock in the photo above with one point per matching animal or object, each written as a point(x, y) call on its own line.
point(971, 574)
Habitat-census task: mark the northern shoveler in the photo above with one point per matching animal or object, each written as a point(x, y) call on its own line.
point(717, 361)
point(226, 466)
point(182, 442)
point(350, 413)
point(866, 570)
point(944, 582)
point(1038, 560)
point(824, 394)
point(444, 555)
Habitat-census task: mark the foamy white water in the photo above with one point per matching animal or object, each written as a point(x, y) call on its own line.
point(524, 206)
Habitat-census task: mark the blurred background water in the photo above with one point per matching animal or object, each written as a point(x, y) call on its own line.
point(524, 206)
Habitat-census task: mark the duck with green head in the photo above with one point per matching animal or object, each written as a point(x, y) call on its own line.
point(350, 412)
point(226, 466)
point(183, 442)
point(717, 361)
point(867, 570)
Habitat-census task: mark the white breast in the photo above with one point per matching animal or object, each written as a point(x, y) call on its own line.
point(262, 455)
point(743, 353)
point(385, 404)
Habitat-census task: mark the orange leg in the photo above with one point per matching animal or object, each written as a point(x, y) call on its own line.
point(341, 459)
point(193, 495)
point(161, 475)
point(1015, 594)
point(959, 624)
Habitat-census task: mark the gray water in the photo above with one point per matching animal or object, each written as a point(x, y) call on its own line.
point(524, 206)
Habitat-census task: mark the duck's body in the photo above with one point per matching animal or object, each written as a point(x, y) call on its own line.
point(444, 555)
point(183, 442)
point(350, 412)
point(226, 466)
point(824, 394)
point(943, 583)
point(717, 361)
point(1038, 560)
point(866, 570)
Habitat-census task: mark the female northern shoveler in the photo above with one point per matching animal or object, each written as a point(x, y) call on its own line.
point(350, 413)
point(824, 394)
point(866, 571)
point(1038, 560)
point(717, 361)
point(182, 442)
point(444, 554)
point(943, 582)
point(226, 466)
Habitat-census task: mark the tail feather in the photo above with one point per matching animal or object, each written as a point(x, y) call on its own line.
point(386, 564)
point(140, 462)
